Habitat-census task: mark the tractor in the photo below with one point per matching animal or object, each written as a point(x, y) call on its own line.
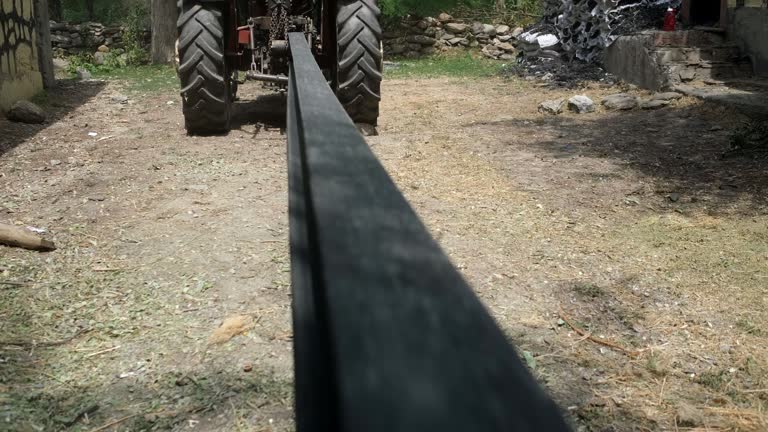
point(219, 39)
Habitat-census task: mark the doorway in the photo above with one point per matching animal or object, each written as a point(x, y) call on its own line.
point(705, 13)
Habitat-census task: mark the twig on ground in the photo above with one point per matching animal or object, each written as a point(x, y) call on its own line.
point(114, 423)
point(103, 351)
point(14, 283)
point(45, 343)
point(90, 409)
point(599, 341)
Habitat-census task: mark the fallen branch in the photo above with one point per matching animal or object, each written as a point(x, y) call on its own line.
point(90, 409)
point(14, 283)
point(103, 351)
point(599, 341)
point(19, 237)
point(114, 423)
point(45, 343)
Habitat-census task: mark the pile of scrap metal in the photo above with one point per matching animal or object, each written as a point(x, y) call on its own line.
point(582, 29)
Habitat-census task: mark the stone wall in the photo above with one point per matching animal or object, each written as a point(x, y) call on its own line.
point(71, 38)
point(414, 38)
point(749, 28)
point(20, 72)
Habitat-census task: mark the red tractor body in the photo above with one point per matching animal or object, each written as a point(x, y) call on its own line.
point(219, 38)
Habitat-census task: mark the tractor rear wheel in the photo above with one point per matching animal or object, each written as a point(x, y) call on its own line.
point(360, 59)
point(203, 71)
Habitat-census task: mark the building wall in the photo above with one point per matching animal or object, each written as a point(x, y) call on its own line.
point(20, 75)
point(749, 28)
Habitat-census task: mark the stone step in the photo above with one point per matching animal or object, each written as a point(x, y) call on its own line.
point(709, 71)
point(696, 55)
point(686, 38)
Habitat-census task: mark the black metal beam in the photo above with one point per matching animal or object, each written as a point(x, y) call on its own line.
point(388, 335)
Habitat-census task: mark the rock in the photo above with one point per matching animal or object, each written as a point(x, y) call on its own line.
point(667, 96)
point(621, 101)
point(444, 18)
point(55, 162)
point(104, 49)
point(502, 29)
point(456, 28)
point(458, 41)
point(59, 39)
point(674, 197)
point(477, 28)
point(98, 58)
point(414, 47)
point(689, 416)
point(687, 75)
point(423, 25)
point(508, 47)
point(504, 38)
point(517, 32)
point(492, 51)
point(412, 55)
point(431, 32)
point(447, 36)
point(507, 56)
point(57, 26)
point(581, 104)
point(121, 99)
point(553, 107)
point(653, 104)
point(489, 30)
point(26, 112)
point(428, 51)
point(60, 63)
point(421, 40)
point(83, 74)
point(397, 49)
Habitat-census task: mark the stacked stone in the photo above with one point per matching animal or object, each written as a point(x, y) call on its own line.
point(417, 38)
point(68, 38)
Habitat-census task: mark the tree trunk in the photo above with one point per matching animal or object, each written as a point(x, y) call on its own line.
point(54, 9)
point(164, 14)
point(89, 6)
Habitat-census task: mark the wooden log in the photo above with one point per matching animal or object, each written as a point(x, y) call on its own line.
point(20, 237)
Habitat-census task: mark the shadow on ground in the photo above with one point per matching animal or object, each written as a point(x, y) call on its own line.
point(159, 401)
point(688, 151)
point(58, 102)
point(266, 111)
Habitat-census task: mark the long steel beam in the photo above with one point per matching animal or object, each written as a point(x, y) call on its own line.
point(388, 335)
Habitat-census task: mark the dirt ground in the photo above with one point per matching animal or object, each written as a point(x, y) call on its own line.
point(626, 255)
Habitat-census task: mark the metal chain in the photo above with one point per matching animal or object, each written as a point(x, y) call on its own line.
point(279, 14)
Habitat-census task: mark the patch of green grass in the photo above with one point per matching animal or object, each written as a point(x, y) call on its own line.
point(143, 79)
point(749, 327)
point(587, 289)
point(713, 380)
point(456, 66)
point(42, 98)
point(653, 366)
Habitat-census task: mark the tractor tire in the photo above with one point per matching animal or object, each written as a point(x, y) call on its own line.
point(360, 59)
point(205, 79)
